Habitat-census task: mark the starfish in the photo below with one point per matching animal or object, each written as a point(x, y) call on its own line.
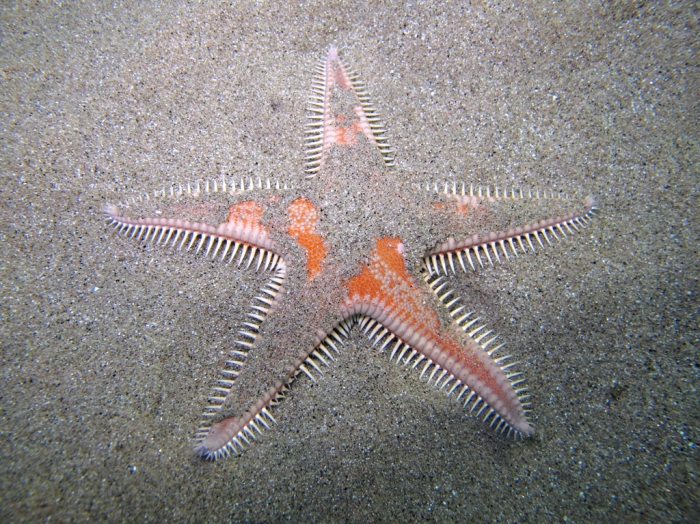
point(353, 244)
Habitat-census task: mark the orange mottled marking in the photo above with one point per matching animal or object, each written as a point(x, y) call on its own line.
point(385, 279)
point(459, 208)
point(248, 212)
point(303, 218)
point(462, 209)
point(347, 135)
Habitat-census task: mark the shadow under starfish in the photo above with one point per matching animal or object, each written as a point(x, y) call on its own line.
point(334, 240)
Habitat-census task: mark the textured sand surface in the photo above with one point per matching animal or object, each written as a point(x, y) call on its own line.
point(109, 347)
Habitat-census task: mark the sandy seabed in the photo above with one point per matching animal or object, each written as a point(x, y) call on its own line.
point(109, 347)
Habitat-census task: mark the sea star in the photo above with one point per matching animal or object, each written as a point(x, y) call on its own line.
point(336, 260)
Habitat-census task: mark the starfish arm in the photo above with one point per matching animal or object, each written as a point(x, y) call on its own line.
point(331, 123)
point(467, 366)
point(387, 294)
point(234, 236)
point(504, 242)
point(240, 238)
point(250, 332)
point(234, 434)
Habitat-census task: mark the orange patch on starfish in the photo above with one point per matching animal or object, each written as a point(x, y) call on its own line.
point(303, 218)
point(386, 280)
point(461, 209)
point(346, 135)
point(248, 212)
